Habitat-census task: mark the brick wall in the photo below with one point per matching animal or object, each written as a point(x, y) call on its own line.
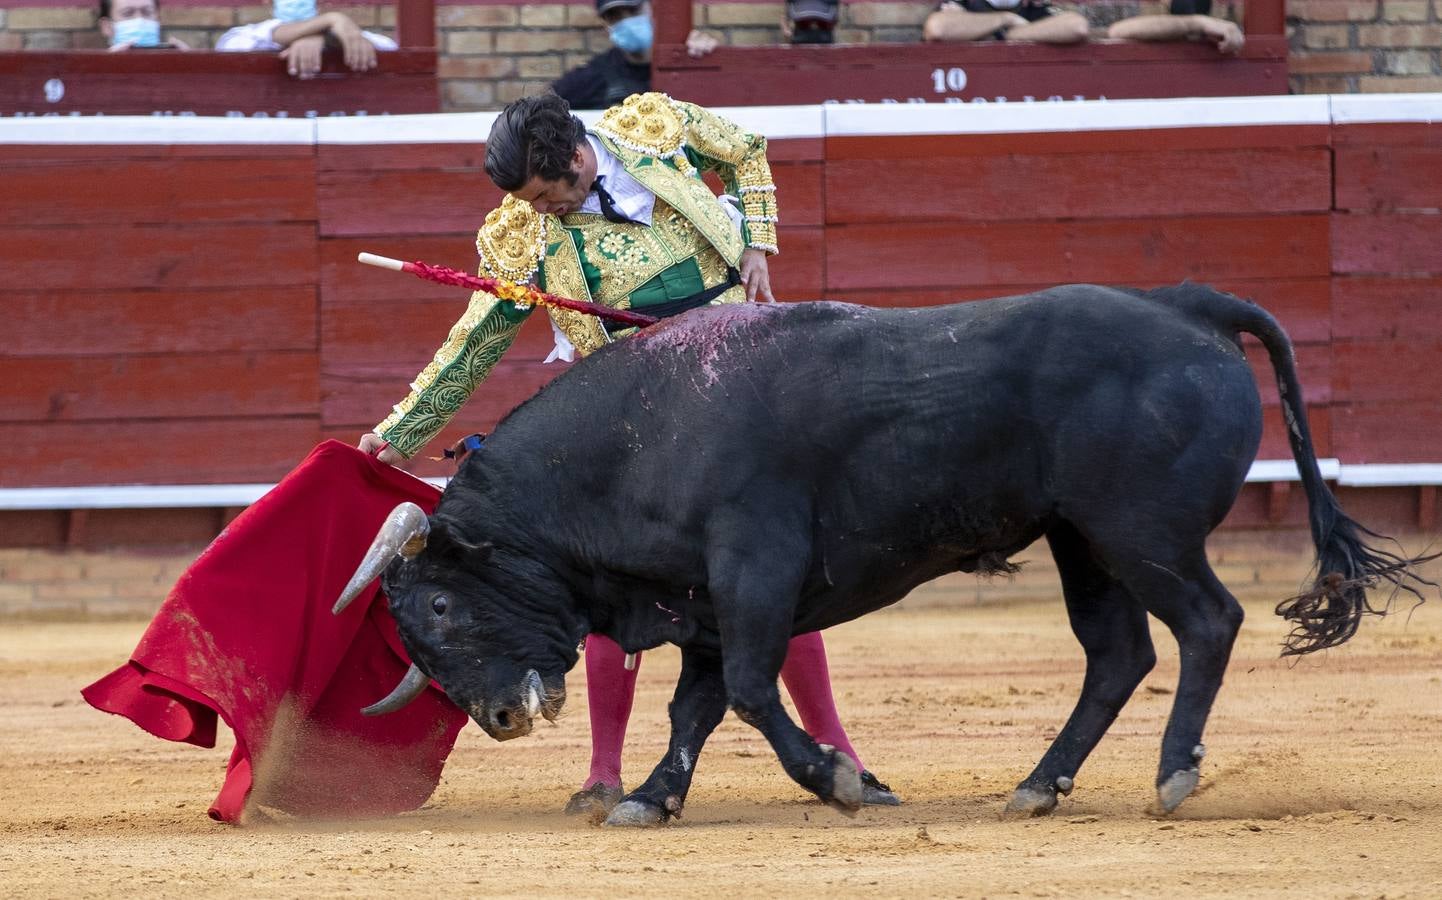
point(494, 52)
point(74, 584)
point(1347, 46)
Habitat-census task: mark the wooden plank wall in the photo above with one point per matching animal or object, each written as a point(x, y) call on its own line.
point(195, 315)
point(1246, 209)
point(162, 303)
point(207, 83)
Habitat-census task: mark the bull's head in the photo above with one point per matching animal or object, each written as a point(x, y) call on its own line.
point(495, 629)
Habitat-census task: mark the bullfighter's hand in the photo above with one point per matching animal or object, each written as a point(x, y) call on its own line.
point(755, 275)
point(373, 444)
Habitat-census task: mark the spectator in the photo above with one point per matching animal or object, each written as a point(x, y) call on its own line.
point(1189, 20)
point(128, 24)
point(1036, 21)
point(810, 21)
point(301, 35)
point(625, 69)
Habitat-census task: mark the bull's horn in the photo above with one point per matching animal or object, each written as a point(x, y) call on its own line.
point(411, 687)
point(533, 693)
point(403, 533)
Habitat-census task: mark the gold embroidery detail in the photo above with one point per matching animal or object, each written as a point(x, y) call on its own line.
point(512, 241)
point(647, 123)
point(565, 277)
point(713, 268)
point(741, 156)
point(710, 135)
point(687, 220)
point(473, 347)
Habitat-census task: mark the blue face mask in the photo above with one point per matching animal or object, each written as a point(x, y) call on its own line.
point(633, 35)
point(137, 31)
point(294, 10)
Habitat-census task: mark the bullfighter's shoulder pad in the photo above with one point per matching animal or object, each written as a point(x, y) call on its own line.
point(512, 241)
point(648, 123)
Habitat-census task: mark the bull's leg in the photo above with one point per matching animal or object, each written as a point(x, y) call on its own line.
point(697, 708)
point(821, 769)
point(756, 569)
point(754, 639)
point(1112, 629)
point(1204, 618)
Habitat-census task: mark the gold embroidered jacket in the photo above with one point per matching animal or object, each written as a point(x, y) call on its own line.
point(666, 145)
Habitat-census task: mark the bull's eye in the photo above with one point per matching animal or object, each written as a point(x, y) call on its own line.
point(439, 603)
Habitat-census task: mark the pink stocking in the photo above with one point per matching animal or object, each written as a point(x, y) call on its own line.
point(609, 690)
point(809, 684)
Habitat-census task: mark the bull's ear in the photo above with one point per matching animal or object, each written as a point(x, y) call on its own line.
point(448, 536)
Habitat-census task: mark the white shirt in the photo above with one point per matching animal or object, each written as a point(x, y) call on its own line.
point(632, 198)
point(260, 36)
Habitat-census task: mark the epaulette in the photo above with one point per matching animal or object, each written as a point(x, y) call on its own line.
point(512, 241)
point(648, 123)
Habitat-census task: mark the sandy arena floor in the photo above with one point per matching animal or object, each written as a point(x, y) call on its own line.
point(1322, 780)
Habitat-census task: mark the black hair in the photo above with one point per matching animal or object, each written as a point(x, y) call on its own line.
point(533, 137)
point(105, 8)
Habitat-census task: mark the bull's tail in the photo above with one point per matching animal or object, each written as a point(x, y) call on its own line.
point(1329, 612)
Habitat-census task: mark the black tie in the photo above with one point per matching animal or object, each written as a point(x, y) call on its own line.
point(608, 205)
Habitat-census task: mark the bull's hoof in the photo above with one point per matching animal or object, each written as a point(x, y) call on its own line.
point(636, 814)
point(874, 793)
point(1027, 802)
point(1178, 787)
point(847, 792)
point(594, 802)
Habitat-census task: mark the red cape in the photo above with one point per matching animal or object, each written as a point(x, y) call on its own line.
point(247, 635)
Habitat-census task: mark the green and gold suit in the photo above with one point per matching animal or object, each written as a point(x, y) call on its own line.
point(689, 247)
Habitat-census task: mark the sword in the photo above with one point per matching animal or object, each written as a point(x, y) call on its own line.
point(506, 290)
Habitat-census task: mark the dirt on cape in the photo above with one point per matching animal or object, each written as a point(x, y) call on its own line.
point(1322, 780)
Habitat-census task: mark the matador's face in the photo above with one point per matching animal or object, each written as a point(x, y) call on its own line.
point(562, 195)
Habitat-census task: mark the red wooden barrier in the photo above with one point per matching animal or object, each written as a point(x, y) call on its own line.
point(969, 71)
point(206, 83)
point(192, 313)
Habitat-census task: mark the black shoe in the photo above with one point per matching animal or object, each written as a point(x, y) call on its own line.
point(594, 802)
point(874, 793)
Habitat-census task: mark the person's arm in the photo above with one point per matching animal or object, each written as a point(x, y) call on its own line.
point(359, 53)
point(953, 23)
point(286, 32)
point(471, 351)
point(718, 145)
point(1057, 28)
point(1225, 35)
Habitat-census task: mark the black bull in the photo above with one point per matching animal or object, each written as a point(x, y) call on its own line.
point(740, 474)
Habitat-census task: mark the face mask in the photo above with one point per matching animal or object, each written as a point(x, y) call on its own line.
point(294, 10)
point(137, 31)
point(633, 35)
